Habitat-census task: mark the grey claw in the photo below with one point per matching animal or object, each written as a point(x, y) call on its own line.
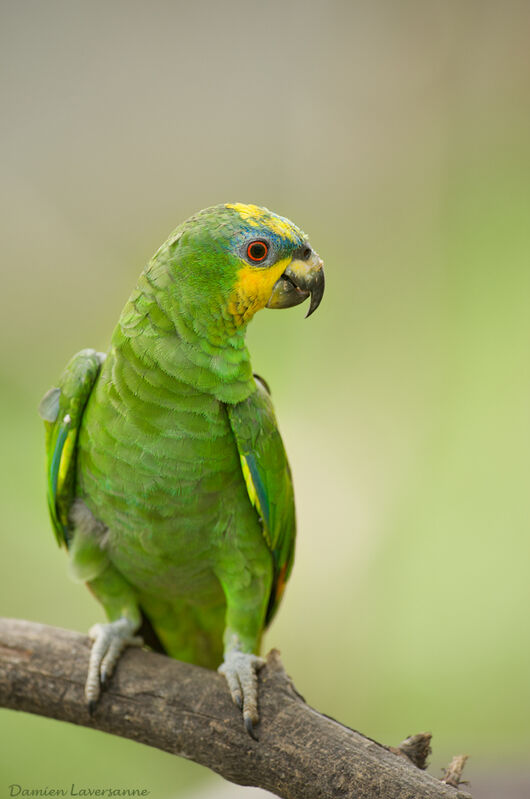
point(109, 641)
point(250, 727)
point(240, 670)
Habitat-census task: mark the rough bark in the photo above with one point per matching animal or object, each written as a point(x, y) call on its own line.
point(186, 710)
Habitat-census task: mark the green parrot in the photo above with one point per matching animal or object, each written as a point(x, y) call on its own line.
point(168, 482)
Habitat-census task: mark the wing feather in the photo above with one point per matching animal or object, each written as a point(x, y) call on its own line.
point(268, 480)
point(62, 409)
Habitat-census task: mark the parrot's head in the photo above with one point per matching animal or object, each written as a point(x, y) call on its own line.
point(247, 258)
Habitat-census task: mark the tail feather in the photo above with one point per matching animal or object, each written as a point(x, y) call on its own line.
point(185, 631)
point(147, 631)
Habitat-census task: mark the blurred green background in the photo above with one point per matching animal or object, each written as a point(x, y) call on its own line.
point(397, 134)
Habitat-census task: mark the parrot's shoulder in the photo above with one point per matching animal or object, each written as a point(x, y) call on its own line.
point(62, 409)
point(262, 384)
point(268, 479)
point(253, 416)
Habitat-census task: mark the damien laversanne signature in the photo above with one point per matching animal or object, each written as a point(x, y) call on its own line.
point(74, 790)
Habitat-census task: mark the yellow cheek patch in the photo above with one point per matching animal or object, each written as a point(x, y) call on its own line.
point(262, 218)
point(253, 289)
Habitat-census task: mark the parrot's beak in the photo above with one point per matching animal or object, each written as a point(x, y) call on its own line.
point(303, 277)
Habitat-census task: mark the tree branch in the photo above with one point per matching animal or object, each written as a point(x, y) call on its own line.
point(186, 710)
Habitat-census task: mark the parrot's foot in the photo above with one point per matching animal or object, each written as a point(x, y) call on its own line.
point(240, 670)
point(109, 642)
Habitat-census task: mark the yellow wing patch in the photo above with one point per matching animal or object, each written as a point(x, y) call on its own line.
point(249, 484)
point(66, 459)
point(262, 217)
point(253, 496)
point(253, 289)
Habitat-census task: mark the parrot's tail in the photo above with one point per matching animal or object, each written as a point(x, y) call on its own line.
point(147, 631)
point(187, 632)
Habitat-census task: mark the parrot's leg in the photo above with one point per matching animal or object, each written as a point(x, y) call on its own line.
point(240, 670)
point(121, 607)
point(246, 604)
point(89, 563)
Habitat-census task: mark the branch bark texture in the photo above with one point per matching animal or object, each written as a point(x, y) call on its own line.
point(186, 710)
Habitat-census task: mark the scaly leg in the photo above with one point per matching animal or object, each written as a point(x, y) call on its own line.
point(121, 607)
point(240, 670)
point(246, 604)
point(89, 563)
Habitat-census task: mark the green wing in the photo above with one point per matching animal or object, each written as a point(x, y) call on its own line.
point(62, 410)
point(268, 480)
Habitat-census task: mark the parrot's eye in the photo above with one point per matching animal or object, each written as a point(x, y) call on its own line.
point(257, 251)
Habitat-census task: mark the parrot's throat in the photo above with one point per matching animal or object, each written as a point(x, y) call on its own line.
point(200, 347)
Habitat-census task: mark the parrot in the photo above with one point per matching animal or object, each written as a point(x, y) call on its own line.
point(167, 479)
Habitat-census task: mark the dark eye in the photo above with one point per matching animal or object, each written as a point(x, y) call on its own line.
point(257, 251)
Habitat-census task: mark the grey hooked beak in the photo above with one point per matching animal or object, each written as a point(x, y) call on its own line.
point(303, 277)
